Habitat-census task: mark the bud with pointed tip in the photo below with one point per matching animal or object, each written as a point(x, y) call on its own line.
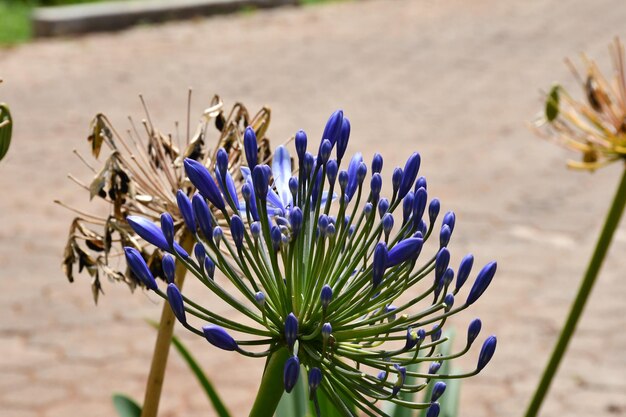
point(169, 268)
point(473, 330)
point(344, 136)
point(450, 219)
point(186, 211)
point(291, 373)
point(315, 378)
point(326, 296)
point(379, 264)
point(148, 231)
point(433, 210)
point(250, 147)
point(464, 270)
point(237, 230)
point(175, 299)
point(444, 236)
point(442, 261)
point(409, 174)
point(486, 352)
point(377, 163)
point(167, 227)
point(482, 282)
point(300, 140)
point(325, 148)
point(203, 216)
point(403, 251)
point(202, 179)
point(209, 267)
point(383, 206)
point(200, 252)
point(327, 329)
point(396, 179)
point(291, 329)
point(219, 337)
point(139, 267)
point(438, 390)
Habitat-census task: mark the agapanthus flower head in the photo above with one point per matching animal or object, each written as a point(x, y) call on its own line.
point(594, 125)
point(320, 271)
point(144, 174)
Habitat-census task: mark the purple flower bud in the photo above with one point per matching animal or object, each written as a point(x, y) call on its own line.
point(291, 329)
point(237, 230)
point(202, 179)
point(332, 130)
point(379, 264)
point(315, 378)
point(218, 235)
point(449, 218)
point(473, 330)
point(248, 195)
point(291, 373)
point(209, 267)
point(295, 218)
point(408, 249)
point(260, 298)
point(383, 206)
point(300, 144)
point(448, 276)
point(387, 222)
point(343, 180)
point(167, 227)
point(250, 147)
point(389, 309)
point(309, 162)
point(434, 368)
point(255, 229)
point(361, 172)
point(331, 171)
point(227, 184)
point(169, 268)
point(433, 210)
point(377, 163)
point(203, 216)
point(486, 352)
point(260, 180)
point(449, 301)
point(419, 204)
point(442, 260)
point(327, 329)
point(433, 410)
point(176, 303)
point(323, 223)
point(352, 175)
point(200, 252)
point(407, 206)
point(184, 206)
point(221, 161)
point(435, 333)
point(381, 375)
point(324, 153)
point(401, 378)
point(421, 335)
point(148, 231)
point(219, 337)
point(438, 390)
point(396, 179)
point(422, 227)
point(326, 296)
point(421, 183)
point(330, 230)
point(444, 236)
point(410, 173)
point(276, 236)
point(482, 282)
point(464, 270)
point(342, 142)
point(139, 267)
point(376, 184)
point(367, 208)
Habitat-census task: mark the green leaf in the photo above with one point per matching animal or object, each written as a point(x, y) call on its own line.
point(295, 404)
point(552, 103)
point(209, 390)
point(6, 128)
point(327, 408)
point(126, 406)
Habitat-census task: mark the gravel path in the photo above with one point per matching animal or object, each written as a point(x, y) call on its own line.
point(455, 80)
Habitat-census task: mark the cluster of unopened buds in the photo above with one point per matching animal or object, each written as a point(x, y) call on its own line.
point(323, 266)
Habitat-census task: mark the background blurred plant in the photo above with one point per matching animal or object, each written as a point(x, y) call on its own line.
point(143, 175)
point(595, 127)
point(6, 128)
point(317, 285)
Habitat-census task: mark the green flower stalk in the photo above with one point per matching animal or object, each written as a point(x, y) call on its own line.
point(597, 128)
point(326, 270)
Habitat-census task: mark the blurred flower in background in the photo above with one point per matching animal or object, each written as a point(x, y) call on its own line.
point(595, 126)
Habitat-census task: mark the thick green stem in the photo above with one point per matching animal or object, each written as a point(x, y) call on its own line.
point(162, 345)
point(272, 388)
point(610, 225)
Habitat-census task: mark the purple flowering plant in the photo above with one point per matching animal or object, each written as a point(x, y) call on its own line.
point(328, 271)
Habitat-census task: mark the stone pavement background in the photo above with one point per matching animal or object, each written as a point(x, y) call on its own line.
point(454, 80)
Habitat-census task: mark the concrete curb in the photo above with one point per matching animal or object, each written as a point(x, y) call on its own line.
point(116, 15)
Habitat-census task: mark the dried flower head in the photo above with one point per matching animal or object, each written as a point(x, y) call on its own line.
point(596, 125)
point(329, 282)
point(143, 175)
